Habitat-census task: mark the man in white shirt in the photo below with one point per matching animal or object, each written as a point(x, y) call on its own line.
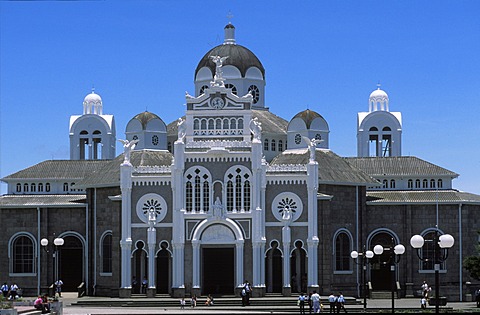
point(332, 300)
point(316, 302)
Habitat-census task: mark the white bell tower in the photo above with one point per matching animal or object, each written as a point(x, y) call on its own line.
point(379, 131)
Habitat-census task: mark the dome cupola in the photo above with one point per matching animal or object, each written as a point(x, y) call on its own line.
point(92, 104)
point(378, 100)
point(149, 130)
point(242, 70)
point(310, 124)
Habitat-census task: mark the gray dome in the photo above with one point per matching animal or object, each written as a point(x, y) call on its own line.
point(308, 116)
point(238, 56)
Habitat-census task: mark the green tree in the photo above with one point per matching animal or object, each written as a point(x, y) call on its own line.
point(472, 263)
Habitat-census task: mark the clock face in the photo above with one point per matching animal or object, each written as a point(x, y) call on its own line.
point(217, 103)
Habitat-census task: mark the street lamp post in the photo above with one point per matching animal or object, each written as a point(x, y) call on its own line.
point(395, 252)
point(58, 241)
point(440, 242)
point(366, 254)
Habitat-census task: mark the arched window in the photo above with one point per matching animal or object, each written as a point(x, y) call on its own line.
point(240, 123)
point(65, 186)
point(417, 183)
point(265, 145)
point(22, 255)
point(197, 189)
point(385, 183)
point(392, 183)
point(432, 183)
point(25, 187)
point(233, 124)
point(342, 252)
point(440, 183)
point(427, 252)
point(237, 180)
point(410, 183)
point(425, 183)
point(203, 124)
point(196, 124)
point(107, 252)
point(273, 145)
point(211, 124)
point(280, 145)
point(19, 187)
point(40, 187)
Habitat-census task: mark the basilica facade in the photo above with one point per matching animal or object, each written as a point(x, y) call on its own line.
point(231, 192)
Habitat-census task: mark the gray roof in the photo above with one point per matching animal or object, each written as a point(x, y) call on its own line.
point(271, 123)
point(332, 169)
point(109, 175)
point(421, 197)
point(59, 169)
point(398, 166)
point(34, 201)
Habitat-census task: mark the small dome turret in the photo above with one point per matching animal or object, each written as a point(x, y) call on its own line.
point(92, 104)
point(310, 124)
point(378, 100)
point(149, 130)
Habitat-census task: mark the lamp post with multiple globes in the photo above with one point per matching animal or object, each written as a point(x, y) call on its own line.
point(440, 253)
point(58, 241)
point(366, 255)
point(395, 252)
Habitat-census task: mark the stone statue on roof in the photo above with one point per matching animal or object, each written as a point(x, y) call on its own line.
point(312, 145)
point(182, 129)
point(256, 129)
point(218, 78)
point(128, 146)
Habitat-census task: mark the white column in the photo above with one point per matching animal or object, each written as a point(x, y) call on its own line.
point(312, 240)
point(178, 229)
point(286, 255)
point(239, 262)
point(126, 238)
point(196, 264)
point(152, 240)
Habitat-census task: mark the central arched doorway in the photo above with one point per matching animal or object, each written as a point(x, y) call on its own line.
point(163, 269)
point(218, 270)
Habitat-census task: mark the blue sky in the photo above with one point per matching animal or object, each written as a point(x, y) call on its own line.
point(327, 56)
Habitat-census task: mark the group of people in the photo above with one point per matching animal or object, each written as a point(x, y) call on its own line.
point(193, 301)
point(313, 302)
point(136, 288)
point(10, 292)
point(425, 294)
point(42, 304)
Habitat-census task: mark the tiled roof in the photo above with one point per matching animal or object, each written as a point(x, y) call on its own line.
point(26, 201)
point(109, 175)
point(398, 166)
point(421, 196)
point(332, 168)
point(59, 169)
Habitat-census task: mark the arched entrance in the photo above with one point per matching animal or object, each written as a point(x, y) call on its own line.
point(163, 269)
point(70, 263)
point(273, 268)
point(380, 273)
point(139, 266)
point(298, 267)
point(217, 256)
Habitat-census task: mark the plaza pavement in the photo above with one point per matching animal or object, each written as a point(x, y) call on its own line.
point(377, 305)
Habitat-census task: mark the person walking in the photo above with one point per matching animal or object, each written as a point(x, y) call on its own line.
point(310, 303)
point(341, 303)
point(193, 301)
point(332, 301)
point(144, 285)
point(58, 287)
point(301, 302)
point(13, 291)
point(182, 303)
point(316, 302)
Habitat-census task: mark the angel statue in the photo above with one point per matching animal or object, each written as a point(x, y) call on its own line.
point(128, 146)
point(256, 129)
point(218, 78)
point(181, 128)
point(312, 144)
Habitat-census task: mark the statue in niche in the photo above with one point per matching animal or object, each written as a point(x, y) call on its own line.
point(128, 146)
point(152, 217)
point(218, 208)
point(256, 129)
